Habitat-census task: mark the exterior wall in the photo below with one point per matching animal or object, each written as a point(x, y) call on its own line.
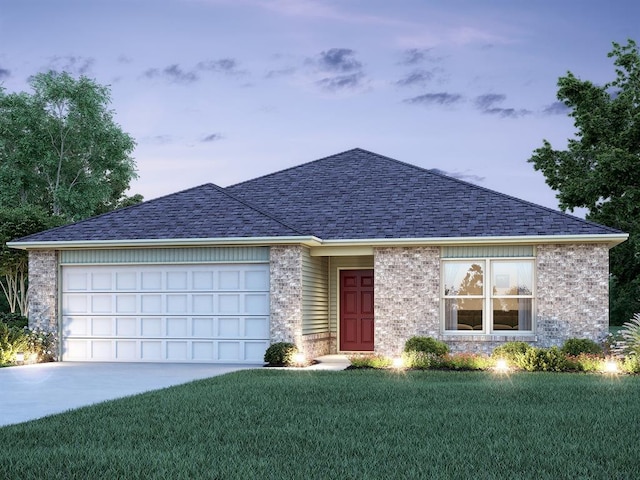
point(286, 294)
point(43, 291)
point(572, 293)
point(406, 296)
point(316, 336)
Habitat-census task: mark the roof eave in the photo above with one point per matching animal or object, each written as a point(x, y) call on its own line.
point(310, 241)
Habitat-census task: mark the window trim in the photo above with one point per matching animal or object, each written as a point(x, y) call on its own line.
point(487, 297)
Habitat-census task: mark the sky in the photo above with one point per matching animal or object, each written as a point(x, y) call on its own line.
point(223, 91)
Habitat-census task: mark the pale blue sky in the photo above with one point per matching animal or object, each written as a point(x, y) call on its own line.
point(225, 90)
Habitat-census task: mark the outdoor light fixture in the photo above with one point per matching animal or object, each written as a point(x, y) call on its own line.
point(502, 366)
point(611, 366)
point(299, 358)
point(398, 362)
point(20, 358)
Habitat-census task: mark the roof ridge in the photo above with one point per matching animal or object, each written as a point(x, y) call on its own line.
point(257, 209)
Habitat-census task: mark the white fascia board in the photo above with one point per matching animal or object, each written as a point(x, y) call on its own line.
point(610, 239)
point(309, 241)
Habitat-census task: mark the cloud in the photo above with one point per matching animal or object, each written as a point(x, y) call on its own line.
point(341, 82)
point(71, 64)
point(556, 108)
point(459, 175)
point(227, 66)
point(338, 60)
point(4, 73)
point(487, 104)
point(415, 56)
point(441, 98)
point(212, 137)
point(124, 59)
point(417, 77)
point(172, 73)
point(281, 72)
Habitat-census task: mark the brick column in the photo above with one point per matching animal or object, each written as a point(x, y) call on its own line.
point(286, 294)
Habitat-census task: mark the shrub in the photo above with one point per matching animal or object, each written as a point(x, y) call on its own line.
point(426, 345)
point(465, 361)
point(42, 343)
point(585, 362)
point(12, 341)
point(629, 343)
point(14, 320)
point(280, 354)
point(577, 346)
point(511, 351)
point(370, 361)
point(631, 364)
point(419, 360)
point(543, 360)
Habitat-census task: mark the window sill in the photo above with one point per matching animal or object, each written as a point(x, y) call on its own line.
point(490, 337)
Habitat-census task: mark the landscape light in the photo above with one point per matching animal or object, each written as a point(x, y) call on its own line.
point(398, 362)
point(299, 358)
point(501, 365)
point(611, 366)
point(19, 358)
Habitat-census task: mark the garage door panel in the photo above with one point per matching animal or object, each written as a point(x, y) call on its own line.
point(154, 313)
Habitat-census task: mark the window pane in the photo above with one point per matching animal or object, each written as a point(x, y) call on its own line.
point(463, 314)
point(463, 278)
point(512, 313)
point(512, 278)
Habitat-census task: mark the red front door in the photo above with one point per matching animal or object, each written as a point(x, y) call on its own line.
point(356, 310)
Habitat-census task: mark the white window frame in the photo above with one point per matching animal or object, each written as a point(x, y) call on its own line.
point(487, 296)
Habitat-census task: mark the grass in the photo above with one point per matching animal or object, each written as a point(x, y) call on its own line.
point(275, 424)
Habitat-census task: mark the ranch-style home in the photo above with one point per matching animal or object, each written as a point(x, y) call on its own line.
point(355, 252)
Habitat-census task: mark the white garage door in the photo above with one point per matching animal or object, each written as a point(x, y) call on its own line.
point(177, 313)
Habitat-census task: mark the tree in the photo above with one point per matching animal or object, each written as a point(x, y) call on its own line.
point(15, 223)
point(600, 168)
point(61, 150)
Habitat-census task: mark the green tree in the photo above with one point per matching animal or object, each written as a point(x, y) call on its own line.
point(15, 223)
point(600, 168)
point(61, 150)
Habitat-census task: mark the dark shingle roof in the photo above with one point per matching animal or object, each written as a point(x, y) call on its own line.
point(352, 195)
point(207, 211)
point(358, 194)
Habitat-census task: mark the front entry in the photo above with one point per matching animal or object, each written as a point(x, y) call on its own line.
point(356, 310)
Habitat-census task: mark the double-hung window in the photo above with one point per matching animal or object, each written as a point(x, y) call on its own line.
point(488, 295)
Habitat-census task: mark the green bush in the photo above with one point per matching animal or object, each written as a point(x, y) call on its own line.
point(12, 341)
point(585, 362)
point(280, 354)
point(631, 364)
point(418, 360)
point(426, 345)
point(42, 343)
point(511, 351)
point(465, 361)
point(370, 361)
point(629, 343)
point(14, 320)
point(577, 346)
point(543, 360)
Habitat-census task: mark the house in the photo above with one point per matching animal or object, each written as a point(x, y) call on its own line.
point(355, 252)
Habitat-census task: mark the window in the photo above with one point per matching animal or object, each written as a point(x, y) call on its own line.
point(488, 295)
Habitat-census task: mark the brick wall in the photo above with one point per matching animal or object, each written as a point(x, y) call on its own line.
point(286, 294)
point(43, 292)
point(407, 296)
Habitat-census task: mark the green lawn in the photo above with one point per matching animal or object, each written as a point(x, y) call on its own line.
point(284, 424)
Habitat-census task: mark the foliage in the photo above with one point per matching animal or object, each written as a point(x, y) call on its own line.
point(61, 150)
point(418, 360)
point(14, 320)
point(543, 360)
point(350, 425)
point(599, 170)
point(12, 341)
point(463, 361)
point(370, 361)
point(631, 364)
point(577, 346)
point(15, 223)
point(426, 345)
point(629, 334)
point(511, 351)
point(280, 354)
point(43, 344)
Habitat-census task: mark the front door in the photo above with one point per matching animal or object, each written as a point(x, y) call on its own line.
point(356, 310)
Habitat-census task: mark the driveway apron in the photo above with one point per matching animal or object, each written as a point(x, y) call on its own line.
point(34, 391)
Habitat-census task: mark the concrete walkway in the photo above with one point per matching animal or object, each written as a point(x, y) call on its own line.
point(34, 391)
point(30, 392)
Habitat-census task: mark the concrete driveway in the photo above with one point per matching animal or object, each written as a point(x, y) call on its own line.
point(35, 391)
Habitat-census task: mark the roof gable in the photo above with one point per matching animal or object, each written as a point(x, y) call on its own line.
point(358, 195)
point(207, 211)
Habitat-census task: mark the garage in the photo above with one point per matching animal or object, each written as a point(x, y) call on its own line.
point(216, 313)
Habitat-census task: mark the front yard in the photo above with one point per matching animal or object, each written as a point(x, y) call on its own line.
point(354, 424)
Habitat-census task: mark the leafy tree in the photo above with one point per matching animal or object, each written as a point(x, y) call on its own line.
point(15, 223)
point(61, 150)
point(600, 168)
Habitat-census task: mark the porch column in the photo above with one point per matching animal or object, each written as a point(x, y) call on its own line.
point(285, 291)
